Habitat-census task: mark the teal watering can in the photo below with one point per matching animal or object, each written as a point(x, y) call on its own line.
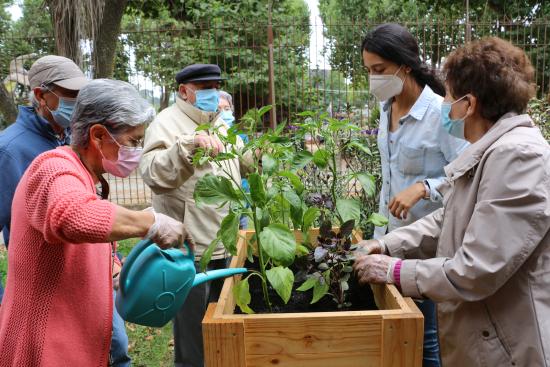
point(154, 283)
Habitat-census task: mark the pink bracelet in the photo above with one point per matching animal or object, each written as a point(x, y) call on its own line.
point(397, 273)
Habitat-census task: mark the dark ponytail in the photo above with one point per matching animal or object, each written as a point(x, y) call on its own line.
point(395, 43)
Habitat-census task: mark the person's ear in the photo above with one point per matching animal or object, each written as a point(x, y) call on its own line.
point(472, 105)
point(39, 96)
point(182, 92)
point(98, 134)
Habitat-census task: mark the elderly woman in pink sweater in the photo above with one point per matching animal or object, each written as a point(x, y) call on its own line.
point(58, 304)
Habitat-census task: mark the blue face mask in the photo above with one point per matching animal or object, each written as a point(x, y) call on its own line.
point(454, 127)
point(228, 117)
point(207, 100)
point(62, 115)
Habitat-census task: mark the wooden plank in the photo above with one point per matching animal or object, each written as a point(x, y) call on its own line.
point(223, 340)
point(317, 335)
point(402, 340)
point(387, 297)
point(348, 359)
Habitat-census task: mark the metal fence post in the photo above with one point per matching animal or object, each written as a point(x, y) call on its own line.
point(273, 112)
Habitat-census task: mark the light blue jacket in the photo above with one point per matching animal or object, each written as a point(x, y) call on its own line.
point(420, 148)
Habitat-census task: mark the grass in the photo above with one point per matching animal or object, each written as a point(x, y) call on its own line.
point(147, 346)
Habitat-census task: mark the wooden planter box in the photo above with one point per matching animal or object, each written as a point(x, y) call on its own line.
point(391, 336)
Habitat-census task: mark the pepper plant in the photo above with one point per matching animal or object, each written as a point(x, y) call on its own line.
point(274, 204)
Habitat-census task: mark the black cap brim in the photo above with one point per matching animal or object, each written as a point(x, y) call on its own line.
point(203, 79)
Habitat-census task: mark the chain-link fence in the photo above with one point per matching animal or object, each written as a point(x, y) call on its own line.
point(315, 66)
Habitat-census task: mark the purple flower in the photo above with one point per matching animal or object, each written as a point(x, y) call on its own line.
point(370, 131)
point(293, 127)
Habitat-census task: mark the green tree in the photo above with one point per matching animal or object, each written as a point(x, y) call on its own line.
point(438, 25)
point(232, 34)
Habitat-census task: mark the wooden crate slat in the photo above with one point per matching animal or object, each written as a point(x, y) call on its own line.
point(305, 335)
point(348, 359)
point(399, 340)
point(224, 340)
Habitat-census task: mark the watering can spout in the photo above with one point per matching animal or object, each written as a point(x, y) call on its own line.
point(216, 274)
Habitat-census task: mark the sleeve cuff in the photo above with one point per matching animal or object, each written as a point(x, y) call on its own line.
point(407, 279)
point(434, 183)
point(393, 247)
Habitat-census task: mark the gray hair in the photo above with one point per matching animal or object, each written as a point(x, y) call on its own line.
point(113, 103)
point(32, 98)
point(228, 98)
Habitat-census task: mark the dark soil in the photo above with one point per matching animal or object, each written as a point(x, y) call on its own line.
point(361, 297)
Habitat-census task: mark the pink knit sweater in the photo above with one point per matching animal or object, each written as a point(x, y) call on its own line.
point(57, 309)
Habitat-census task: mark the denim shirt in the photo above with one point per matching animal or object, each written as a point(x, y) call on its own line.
point(420, 148)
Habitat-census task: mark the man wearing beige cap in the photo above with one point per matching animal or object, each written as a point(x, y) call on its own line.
point(55, 82)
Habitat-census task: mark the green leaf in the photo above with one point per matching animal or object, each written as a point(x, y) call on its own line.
point(265, 109)
point(281, 279)
point(310, 216)
point(368, 182)
point(202, 127)
point(296, 213)
point(295, 181)
point(269, 164)
point(307, 114)
point(301, 160)
point(319, 290)
point(321, 157)
point(349, 209)
point(279, 243)
point(211, 189)
point(377, 219)
point(241, 292)
point(207, 254)
point(229, 231)
point(224, 156)
point(292, 198)
point(263, 218)
point(302, 250)
point(359, 146)
point(308, 284)
point(257, 190)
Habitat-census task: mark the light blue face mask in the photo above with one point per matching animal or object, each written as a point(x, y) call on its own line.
point(454, 127)
point(62, 115)
point(207, 100)
point(228, 117)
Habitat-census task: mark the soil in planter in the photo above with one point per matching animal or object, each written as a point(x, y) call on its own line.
point(361, 298)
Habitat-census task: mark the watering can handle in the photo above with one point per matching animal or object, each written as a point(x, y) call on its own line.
point(134, 254)
point(190, 255)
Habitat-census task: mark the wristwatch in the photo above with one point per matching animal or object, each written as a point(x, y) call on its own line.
point(427, 189)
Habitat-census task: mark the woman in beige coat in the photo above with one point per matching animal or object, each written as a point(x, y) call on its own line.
point(485, 256)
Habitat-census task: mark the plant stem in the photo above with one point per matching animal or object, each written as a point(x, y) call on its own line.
point(333, 186)
point(261, 258)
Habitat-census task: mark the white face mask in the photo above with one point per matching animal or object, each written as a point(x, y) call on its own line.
point(384, 87)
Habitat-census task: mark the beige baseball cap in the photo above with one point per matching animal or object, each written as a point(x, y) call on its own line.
point(58, 70)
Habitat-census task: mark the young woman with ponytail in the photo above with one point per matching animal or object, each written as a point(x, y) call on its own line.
point(414, 146)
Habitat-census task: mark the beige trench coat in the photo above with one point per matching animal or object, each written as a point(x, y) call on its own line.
point(166, 168)
point(485, 256)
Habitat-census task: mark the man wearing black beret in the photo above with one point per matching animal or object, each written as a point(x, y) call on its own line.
point(166, 168)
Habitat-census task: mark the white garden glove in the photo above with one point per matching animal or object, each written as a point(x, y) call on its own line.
point(369, 247)
point(167, 232)
point(375, 269)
